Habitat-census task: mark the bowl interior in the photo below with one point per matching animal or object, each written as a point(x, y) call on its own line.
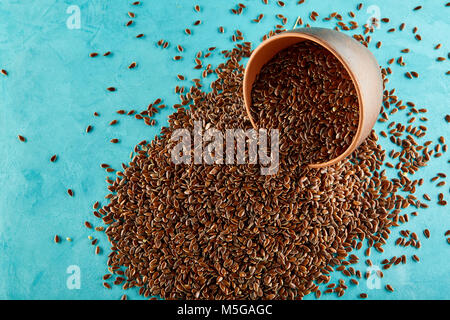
point(267, 50)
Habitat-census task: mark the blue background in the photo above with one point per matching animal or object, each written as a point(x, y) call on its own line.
point(53, 89)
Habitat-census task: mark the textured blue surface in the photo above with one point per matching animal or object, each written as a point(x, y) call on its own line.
point(53, 89)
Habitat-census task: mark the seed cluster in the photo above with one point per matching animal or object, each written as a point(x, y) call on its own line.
point(306, 93)
point(227, 232)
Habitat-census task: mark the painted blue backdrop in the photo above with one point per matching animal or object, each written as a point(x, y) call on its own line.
point(53, 88)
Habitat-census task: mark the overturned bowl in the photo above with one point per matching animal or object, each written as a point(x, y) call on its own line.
point(359, 62)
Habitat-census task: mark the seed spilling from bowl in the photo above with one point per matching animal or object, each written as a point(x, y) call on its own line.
point(198, 231)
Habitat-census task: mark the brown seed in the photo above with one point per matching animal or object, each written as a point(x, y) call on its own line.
point(88, 224)
point(112, 89)
point(88, 128)
point(389, 288)
point(132, 65)
point(114, 140)
point(417, 8)
point(4, 72)
point(129, 23)
point(22, 138)
point(363, 295)
point(426, 232)
point(140, 35)
point(113, 122)
point(57, 239)
point(53, 158)
point(70, 192)
point(131, 14)
point(107, 53)
point(106, 285)
point(93, 54)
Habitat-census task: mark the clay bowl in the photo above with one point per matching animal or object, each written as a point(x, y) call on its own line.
point(357, 60)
